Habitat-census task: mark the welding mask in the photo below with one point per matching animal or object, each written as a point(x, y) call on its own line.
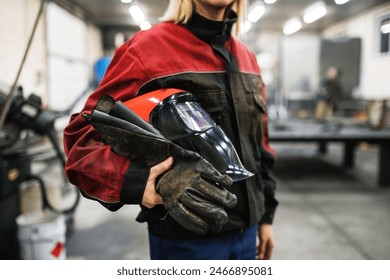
point(181, 119)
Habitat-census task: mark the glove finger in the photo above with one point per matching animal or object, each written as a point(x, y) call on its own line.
point(188, 219)
point(219, 179)
point(202, 166)
point(216, 193)
point(212, 213)
point(208, 172)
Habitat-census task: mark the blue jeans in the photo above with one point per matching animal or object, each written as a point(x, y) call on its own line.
point(231, 246)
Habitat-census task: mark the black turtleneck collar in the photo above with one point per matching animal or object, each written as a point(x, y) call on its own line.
point(211, 31)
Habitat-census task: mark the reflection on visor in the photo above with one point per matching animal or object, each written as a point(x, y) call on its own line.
point(194, 116)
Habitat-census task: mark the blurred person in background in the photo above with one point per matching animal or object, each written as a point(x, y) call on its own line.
point(193, 49)
point(331, 92)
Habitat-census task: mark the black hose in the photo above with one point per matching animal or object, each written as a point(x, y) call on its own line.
point(45, 201)
point(53, 139)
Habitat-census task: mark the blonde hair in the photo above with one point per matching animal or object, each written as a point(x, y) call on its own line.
point(180, 11)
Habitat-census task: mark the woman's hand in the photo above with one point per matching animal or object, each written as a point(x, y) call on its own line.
point(151, 198)
point(266, 244)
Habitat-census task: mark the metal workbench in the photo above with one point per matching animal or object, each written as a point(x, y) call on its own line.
point(349, 133)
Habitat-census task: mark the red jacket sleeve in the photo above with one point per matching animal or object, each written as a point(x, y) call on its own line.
point(91, 165)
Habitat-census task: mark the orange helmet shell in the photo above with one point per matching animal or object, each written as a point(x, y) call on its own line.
point(144, 104)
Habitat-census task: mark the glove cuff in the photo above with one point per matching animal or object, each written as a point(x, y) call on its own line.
point(134, 183)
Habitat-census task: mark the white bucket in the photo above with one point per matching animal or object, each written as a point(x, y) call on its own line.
point(41, 235)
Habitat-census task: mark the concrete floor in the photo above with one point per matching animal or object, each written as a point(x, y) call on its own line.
point(326, 212)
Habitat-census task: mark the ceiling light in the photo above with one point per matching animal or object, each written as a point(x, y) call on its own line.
point(341, 2)
point(292, 26)
point(385, 27)
point(315, 12)
point(119, 39)
point(145, 25)
point(270, 1)
point(245, 27)
point(137, 14)
point(126, 1)
point(256, 11)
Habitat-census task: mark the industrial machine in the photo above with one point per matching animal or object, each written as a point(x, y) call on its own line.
point(26, 123)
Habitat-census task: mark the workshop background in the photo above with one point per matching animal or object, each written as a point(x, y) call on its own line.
point(333, 166)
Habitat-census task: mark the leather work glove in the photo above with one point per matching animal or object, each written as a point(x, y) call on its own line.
point(194, 193)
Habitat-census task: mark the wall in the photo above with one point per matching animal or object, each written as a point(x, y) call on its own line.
point(300, 66)
point(374, 66)
point(17, 20)
point(267, 53)
point(290, 68)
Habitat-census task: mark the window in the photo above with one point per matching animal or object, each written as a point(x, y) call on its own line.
point(67, 52)
point(384, 27)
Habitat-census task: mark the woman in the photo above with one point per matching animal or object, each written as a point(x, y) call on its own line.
point(193, 50)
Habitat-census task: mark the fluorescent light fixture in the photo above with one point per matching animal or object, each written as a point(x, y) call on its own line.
point(126, 1)
point(315, 12)
point(341, 2)
point(270, 1)
point(385, 28)
point(256, 11)
point(292, 26)
point(136, 12)
point(145, 25)
point(245, 27)
point(119, 39)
